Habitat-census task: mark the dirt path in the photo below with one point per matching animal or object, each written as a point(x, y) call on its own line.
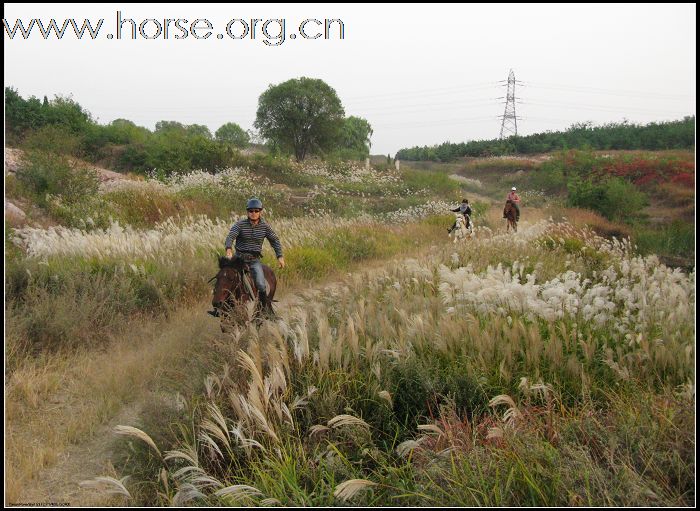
point(160, 347)
point(59, 483)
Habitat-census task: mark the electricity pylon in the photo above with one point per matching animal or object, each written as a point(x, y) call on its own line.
point(509, 124)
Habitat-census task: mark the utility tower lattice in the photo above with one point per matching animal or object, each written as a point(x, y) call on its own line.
point(509, 124)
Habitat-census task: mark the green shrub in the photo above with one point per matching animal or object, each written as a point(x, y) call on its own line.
point(353, 245)
point(52, 139)
point(308, 262)
point(436, 182)
point(676, 239)
point(46, 173)
point(614, 198)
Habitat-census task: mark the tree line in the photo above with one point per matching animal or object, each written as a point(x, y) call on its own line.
point(300, 117)
point(625, 135)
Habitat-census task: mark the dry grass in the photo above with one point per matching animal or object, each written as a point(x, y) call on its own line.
point(67, 400)
point(586, 217)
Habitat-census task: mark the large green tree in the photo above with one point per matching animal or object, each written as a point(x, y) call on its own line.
point(233, 134)
point(355, 139)
point(300, 116)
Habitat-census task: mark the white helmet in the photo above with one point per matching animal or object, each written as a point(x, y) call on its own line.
point(513, 188)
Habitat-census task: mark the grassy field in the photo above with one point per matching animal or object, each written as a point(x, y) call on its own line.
point(560, 374)
point(554, 367)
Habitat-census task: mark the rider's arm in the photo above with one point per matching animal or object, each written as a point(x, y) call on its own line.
point(232, 235)
point(276, 245)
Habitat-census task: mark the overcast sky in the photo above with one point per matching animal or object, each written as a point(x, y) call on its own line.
point(420, 74)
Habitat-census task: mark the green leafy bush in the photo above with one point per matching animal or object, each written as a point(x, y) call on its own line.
point(45, 174)
point(614, 198)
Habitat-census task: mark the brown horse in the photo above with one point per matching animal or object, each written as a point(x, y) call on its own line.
point(232, 293)
point(509, 214)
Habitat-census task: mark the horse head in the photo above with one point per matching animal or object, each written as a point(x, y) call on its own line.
point(228, 282)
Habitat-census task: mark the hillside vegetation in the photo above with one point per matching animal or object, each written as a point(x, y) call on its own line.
point(552, 367)
point(583, 136)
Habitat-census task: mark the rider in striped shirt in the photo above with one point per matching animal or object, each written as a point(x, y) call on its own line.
point(249, 235)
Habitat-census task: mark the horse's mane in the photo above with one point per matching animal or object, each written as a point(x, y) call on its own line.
point(225, 262)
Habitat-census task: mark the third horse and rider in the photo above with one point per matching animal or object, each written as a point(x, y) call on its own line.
point(515, 200)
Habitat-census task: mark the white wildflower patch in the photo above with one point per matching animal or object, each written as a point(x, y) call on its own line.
point(187, 236)
point(471, 182)
point(348, 172)
point(235, 179)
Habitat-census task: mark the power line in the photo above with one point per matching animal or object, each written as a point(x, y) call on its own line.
point(580, 106)
point(431, 91)
point(611, 92)
point(437, 122)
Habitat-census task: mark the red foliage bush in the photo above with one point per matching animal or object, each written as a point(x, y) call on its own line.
point(643, 171)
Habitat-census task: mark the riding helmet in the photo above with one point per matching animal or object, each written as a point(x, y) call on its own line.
point(254, 203)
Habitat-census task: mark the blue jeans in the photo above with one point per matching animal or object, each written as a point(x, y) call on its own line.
point(256, 270)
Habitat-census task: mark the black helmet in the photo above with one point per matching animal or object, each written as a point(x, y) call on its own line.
point(254, 203)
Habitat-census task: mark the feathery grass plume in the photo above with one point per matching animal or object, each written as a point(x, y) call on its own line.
point(238, 491)
point(301, 342)
point(212, 384)
point(205, 481)
point(135, 432)
point(433, 428)
point(261, 420)
point(495, 432)
point(544, 389)
point(217, 426)
point(108, 485)
point(207, 440)
point(348, 489)
point(384, 394)
point(287, 413)
point(248, 363)
point(352, 337)
point(406, 447)
point(512, 412)
point(278, 380)
point(164, 480)
point(270, 502)
point(346, 420)
point(317, 429)
point(325, 340)
point(524, 386)
point(187, 492)
point(189, 454)
point(185, 473)
point(303, 401)
point(245, 443)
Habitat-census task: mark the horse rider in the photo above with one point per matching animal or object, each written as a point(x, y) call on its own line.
point(466, 210)
point(515, 199)
point(249, 234)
